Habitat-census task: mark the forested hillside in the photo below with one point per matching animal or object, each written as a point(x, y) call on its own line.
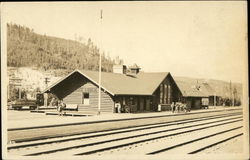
point(25, 48)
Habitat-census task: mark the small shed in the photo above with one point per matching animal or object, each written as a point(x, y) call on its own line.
point(192, 93)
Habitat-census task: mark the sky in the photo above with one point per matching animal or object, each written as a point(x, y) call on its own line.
point(203, 39)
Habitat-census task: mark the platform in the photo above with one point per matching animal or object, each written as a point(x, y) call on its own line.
point(26, 119)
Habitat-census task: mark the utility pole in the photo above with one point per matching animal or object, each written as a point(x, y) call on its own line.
point(230, 90)
point(19, 93)
point(100, 70)
point(234, 95)
point(233, 99)
point(45, 94)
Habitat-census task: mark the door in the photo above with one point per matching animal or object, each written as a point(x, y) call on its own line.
point(197, 103)
point(141, 104)
point(147, 104)
point(138, 104)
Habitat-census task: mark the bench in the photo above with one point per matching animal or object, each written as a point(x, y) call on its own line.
point(71, 107)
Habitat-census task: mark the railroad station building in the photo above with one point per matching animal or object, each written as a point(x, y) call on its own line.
point(195, 93)
point(192, 95)
point(136, 90)
point(213, 96)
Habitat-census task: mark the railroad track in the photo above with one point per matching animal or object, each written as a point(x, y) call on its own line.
point(21, 143)
point(93, 126)
point(114, 120)
point(134, 139)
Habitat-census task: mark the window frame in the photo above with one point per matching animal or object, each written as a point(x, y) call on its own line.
point(85, 97)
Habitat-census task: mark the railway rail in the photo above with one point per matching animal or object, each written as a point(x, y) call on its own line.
point(188, 132)
point(62, 130)
point(23, 143)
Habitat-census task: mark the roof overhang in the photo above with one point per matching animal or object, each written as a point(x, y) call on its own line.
point(62, 79)
point(196, 96)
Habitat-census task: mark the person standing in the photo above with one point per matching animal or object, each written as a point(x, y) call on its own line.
point(127, 109)
point(181, 107)
point(185, 107)
point(173, 107)
point(118, 107)
point(177, 107)
point(60, 108)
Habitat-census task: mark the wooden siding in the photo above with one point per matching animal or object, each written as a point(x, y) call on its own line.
point(74, 97)
point(71, 92)
point(107, 103)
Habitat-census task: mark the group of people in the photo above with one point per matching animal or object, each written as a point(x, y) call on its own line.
point(60, 106)
point(179, 107)
point(121, 109)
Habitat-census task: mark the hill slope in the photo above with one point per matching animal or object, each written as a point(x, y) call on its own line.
point(25, 48)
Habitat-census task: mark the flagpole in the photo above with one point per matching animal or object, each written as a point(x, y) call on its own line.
point(100, 70)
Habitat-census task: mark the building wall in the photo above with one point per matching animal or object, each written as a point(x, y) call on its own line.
point(72, 90)
point(211, 100)
point(77, 97)
point(193, 102)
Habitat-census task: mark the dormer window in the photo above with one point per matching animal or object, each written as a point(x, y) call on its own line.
point(135, 69)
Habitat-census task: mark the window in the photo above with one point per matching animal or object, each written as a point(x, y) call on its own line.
point(161, 93)
point(169, 94)
point(166, 93)
point(85, 98)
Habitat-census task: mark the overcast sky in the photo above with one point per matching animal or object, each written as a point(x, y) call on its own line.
point(195, 39)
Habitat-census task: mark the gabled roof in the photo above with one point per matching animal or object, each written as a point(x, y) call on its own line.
point(208, 89)
point(190, 88)
point(135, 66)
point(121, 84)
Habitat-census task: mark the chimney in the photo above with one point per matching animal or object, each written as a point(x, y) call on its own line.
point(121, 69)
